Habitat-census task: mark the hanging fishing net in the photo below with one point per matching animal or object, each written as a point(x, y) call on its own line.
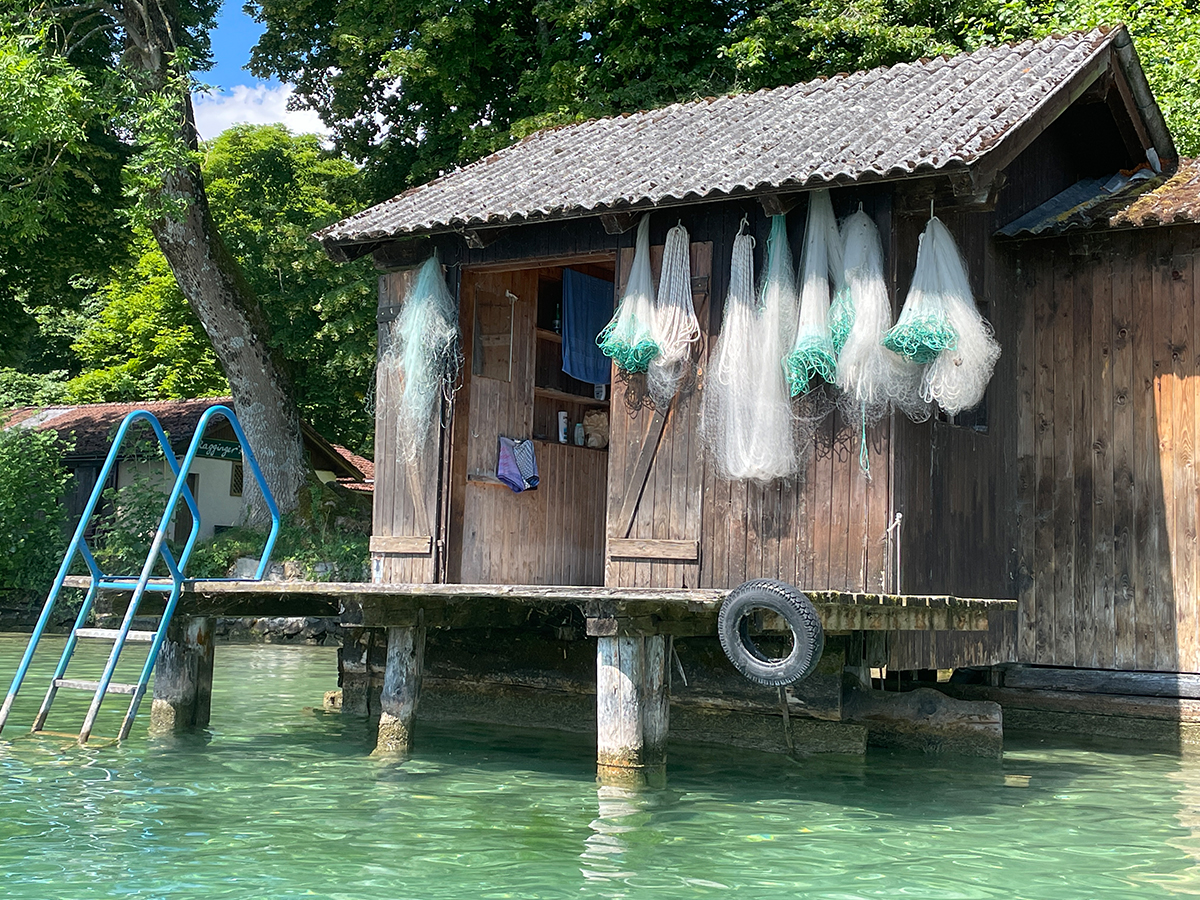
point(421, 356)
point(956, 377)
point(746, 416)
point(628, 340)
point(813, 355)
point(924, 329)
point(872, 377)
point(674, 327)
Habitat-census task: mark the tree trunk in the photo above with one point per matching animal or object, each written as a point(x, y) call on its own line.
point(209, 278)
point(236, 324)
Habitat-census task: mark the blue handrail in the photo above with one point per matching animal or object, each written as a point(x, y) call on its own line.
point(158, 550)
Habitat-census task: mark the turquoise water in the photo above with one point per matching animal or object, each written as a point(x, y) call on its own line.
point(279, 801)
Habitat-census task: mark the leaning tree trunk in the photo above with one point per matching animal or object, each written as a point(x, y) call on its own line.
point(209, 276)
point(237, 326)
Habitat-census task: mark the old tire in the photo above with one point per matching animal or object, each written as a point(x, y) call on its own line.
point(733, 627)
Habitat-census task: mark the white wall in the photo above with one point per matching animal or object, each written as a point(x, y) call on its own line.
point(217, 506)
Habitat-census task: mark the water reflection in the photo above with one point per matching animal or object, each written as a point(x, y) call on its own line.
point(617, 849)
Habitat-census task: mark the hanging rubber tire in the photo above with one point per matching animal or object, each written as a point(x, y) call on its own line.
point(733, 627)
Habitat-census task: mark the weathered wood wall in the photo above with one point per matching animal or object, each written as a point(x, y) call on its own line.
point(1109, 490)
point(406, 528)
point(823, 529)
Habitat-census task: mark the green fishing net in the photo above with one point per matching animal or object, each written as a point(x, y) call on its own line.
point(628, 340)
point(813, 357)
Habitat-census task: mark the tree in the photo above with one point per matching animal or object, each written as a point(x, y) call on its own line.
point(269, 190)
point(415, 88)
point(131, 62)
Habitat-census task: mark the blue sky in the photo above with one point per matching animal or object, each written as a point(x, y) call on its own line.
point(238, 96)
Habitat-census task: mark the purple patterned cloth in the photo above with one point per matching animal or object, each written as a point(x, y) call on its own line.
point(517, 466)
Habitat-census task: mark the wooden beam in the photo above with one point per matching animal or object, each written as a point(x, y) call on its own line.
point(407, 545)
point(1102, 681)
point(641, 471)
point(633, 696)
point(183, 677)
point(633, 548)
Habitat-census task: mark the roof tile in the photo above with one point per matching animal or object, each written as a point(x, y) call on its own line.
point(912, 117)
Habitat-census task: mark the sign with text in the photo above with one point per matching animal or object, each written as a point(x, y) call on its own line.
point(213, 449)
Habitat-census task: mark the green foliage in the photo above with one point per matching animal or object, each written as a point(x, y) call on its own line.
point(32, 516)
point(22, 389)
point(130, 519)
point(145, 344)
point(414, 89)
point(326, 555)
point(269, 190)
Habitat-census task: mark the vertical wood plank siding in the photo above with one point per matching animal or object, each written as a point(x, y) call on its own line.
point(1108, 427)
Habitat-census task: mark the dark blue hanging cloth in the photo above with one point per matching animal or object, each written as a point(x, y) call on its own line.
point(587, 307)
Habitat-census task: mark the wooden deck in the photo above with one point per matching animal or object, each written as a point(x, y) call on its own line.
point(609, 611)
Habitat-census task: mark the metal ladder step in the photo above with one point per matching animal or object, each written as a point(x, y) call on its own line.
point(111, 634)
point(77, 685)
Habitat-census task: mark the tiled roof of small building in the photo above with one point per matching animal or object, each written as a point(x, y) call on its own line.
point(1176, 201)
point(927, 116)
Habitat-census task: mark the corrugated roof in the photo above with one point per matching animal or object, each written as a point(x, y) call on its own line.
point(1170, 198)
point(910, 118)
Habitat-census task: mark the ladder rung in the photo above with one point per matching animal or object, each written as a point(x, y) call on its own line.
point(113, 687)
point(111, 634)
point(117, 585)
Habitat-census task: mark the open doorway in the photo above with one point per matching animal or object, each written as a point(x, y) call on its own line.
point(527, 334)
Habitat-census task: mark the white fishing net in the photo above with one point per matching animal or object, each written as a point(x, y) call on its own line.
point(674, 327)
point(628, 339)
point(421, 356)
point(941, 326)
point(813, 357)
point(872, 378)
point(746, 416)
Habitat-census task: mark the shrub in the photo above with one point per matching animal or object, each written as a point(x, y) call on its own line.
point(33, 517)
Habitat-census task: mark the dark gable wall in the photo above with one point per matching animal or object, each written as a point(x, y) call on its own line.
point(960, 489)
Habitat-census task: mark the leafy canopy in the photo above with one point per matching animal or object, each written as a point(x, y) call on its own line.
point(269, 190)
point(416, 88)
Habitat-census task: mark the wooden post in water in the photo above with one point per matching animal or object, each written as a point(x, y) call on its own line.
point(401, 688)
point(633, 698)
point(183, 677)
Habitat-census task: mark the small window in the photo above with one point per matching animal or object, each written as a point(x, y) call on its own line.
point(235, 480)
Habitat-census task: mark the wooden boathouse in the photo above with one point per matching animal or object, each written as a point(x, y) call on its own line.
point(1056, 502)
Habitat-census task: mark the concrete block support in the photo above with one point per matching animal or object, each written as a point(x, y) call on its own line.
point(633, 702)
point(183, 677)
point(401, 688)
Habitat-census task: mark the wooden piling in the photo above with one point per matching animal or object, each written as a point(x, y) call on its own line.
point(183, 677)
point(633, 697)
point(401, 688)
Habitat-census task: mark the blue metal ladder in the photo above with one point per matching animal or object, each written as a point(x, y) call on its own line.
point(138, 585)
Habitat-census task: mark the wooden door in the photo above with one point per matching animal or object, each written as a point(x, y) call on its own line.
point(489, 529)
point(655, 469)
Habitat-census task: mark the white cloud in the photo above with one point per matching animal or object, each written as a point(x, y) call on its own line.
point(259, 105)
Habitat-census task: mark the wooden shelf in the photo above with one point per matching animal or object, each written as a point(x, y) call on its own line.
point(547, 335)
point(572, 445)
point(552, 394)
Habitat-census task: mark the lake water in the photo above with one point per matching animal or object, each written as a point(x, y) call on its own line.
point(279, 801)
